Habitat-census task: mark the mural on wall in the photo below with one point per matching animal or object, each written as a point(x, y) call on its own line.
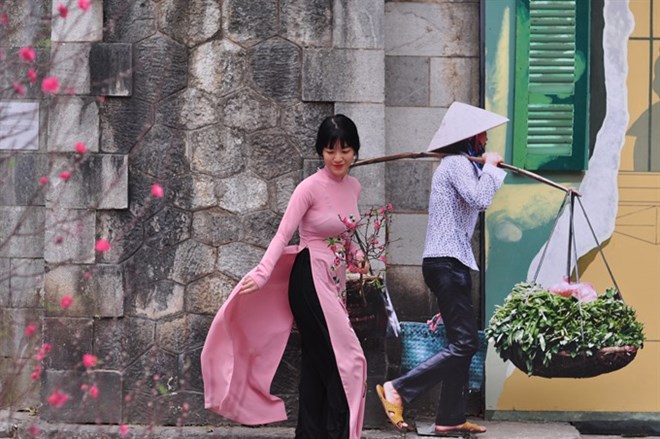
point(620, 192)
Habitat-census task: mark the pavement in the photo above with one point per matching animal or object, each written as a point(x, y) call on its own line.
point(16, 425)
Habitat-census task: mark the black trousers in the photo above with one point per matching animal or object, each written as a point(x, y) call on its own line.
point(450, 283)
point(323, 409)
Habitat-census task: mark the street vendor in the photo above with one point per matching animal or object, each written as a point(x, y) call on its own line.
point(460, 190)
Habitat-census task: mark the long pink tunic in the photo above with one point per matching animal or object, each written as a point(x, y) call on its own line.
point(247, 338)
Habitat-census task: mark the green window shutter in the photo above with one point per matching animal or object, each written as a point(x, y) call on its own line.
point(552, 85)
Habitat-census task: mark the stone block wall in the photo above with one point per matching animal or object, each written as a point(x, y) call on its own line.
point(218, 101)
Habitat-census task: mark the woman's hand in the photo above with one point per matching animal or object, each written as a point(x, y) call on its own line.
point(363, 266)
point(248, 286)
point(492, 158)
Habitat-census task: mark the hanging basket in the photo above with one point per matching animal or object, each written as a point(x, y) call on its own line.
point(366, 307)
point(564, 365)
point(418, 344)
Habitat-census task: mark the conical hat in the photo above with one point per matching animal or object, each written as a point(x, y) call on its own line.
point(463, 121)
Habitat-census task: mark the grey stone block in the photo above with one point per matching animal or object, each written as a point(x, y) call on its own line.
point(120, 341)
point(191, 370)
point(218, 67)
point(168, 227)
point(70, 339)
point(195, 191)
point(358, 24)
point(79, 25)
point(271, 154)
point(20, 173)
point(307, 23)
point(217, 151)
point(100, 295)
point(81, 407)
point(406, 81)
point(111, 69)
point(5, 276)
point(424, 29)
point(275, 69)
point(284, 187)
point(410, 296)
point(345, 75)
point(191, 109)
point(192, 261)
point(155, 300)
point(12, 325)
point(70, 64)
point(26, 23)
point(123, 230)
point(242, 193)
point(248, 111)
point(192, 23)
point(27, 282)
point(161, 154)
point(301, 123)
point(237, 259)
point(249, 22)
point(183, 333)
point(13, 71)
point(215, 227)
point(408, 233)
point(124, 122)
point(258, 228)
point(128, 21)
point(141, 380)
point(70, 236)
point(98, 181)
point(410, 129)
point(141, 203)
point(409, 184)
point(20, 392)
point(454, 79)
point(160, 68)
point(206, 295)
point(71, 120)
point(22, 232)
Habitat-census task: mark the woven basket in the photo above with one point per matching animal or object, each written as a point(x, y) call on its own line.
point(418, 344)
point(563, 365)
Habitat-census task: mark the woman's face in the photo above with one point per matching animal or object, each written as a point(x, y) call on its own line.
point(338, 159)
point(482, 139)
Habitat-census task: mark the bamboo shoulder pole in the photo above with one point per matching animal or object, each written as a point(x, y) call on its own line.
point(437, 155)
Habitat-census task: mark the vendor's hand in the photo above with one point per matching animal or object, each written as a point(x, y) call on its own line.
point(492, 158)
point(248, 286)
point(363, 266)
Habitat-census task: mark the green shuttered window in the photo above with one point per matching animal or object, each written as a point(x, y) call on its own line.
point(551, 85)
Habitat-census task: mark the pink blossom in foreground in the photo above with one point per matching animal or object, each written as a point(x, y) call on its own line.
point(58, 398)
point(62, 10)
point(36, 372)
point(27, 54)
point(30, 329)
point(123, 430)
point(34, 430)
point(32, 76)
point(87, 275)
point(50, 84)
point(43, 180)
point(65, 175)
point(94, 391)
point(81, 148)
point(43, 352)
point(66, 301)
point(4, 20)
point(102, 245)
point(19, 88)
point(89, 360)
point(157, 190)
point(84, 4)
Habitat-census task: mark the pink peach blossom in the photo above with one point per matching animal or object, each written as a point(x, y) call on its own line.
point(157, 190)
point(4, 20)
point(43, 352)
point(30, 329)
point(123, 430)
point(65, 175)
point(58, 398)
point(19, 88)
point(87, 275)
point(84, 4)
point(80, 148)
point(27, 54)
point(50, 85)
point(32, 76)
point(34, 430)
point(36, 372)
point(89, 360)
point(102, 245)
point(94, 391)
point(66, 301)
point(63, 10)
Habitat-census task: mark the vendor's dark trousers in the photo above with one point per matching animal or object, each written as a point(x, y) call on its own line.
point(323, 409)
point(450, 282)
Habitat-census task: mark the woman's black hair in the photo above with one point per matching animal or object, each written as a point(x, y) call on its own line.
point(465, 146)
point(337, 128)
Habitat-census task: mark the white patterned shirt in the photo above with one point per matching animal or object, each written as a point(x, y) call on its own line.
point(459, 191)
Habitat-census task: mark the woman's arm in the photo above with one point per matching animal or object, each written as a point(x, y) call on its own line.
point(477, 192)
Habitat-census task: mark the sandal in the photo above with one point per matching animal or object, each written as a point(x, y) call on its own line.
point(394, 412)
point(466, 427)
